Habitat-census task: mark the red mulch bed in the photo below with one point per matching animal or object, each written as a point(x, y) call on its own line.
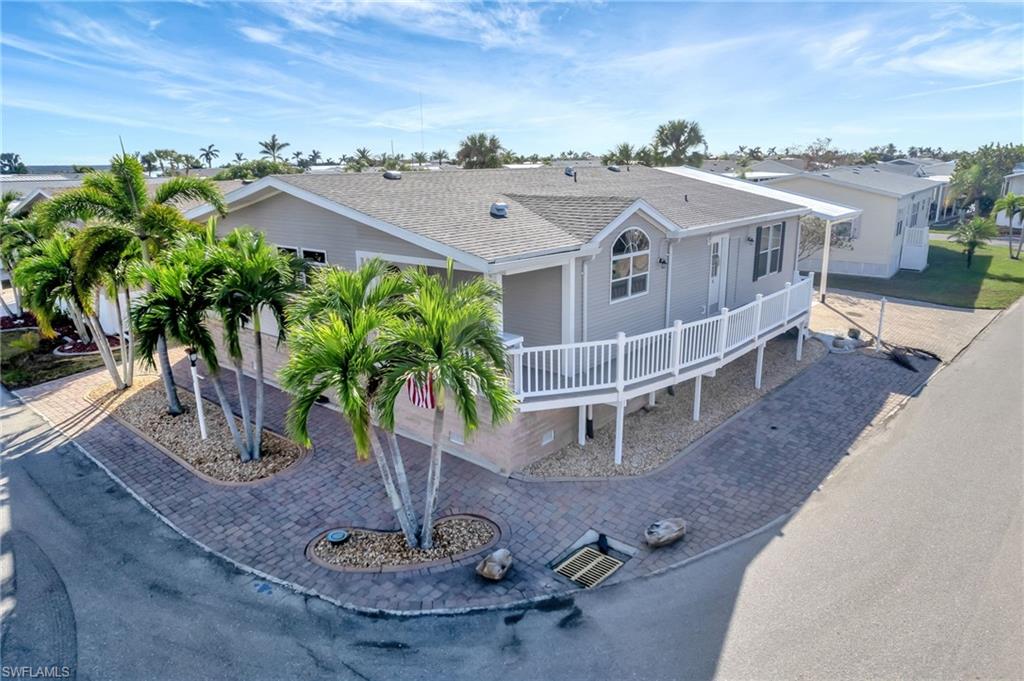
point(78, 347)
point(24, 321)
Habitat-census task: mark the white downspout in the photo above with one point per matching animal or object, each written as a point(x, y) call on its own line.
point(827, 249)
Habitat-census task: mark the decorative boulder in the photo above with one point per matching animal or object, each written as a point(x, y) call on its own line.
point(495, 566)
point(665, 532)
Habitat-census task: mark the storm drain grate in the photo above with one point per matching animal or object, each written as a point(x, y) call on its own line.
point(588, 567)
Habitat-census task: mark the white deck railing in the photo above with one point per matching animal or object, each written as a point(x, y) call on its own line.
point(625, 362)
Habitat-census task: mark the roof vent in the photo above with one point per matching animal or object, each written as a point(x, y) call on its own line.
point(613, 168)
point(392, 175)
point(569, 170)
point(499, 210)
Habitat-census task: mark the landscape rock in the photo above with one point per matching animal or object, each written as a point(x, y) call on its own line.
point(495, 566)
point(665, 532)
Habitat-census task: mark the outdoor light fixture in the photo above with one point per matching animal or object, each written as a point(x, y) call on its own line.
point(193, 358)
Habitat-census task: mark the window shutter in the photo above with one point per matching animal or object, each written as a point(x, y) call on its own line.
point(782, 246)
point(757, 251)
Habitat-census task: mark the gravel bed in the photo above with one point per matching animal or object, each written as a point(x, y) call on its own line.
point(144, 407)
point(651, 438)
point(369, 549)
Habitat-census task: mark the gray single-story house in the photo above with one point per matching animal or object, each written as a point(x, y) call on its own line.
point(615, 283)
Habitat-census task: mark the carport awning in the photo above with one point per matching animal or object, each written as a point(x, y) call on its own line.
point(825, 210)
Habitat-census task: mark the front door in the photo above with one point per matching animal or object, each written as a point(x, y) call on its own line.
point(719, 249)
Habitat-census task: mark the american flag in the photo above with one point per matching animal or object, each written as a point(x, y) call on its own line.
point(420, 394)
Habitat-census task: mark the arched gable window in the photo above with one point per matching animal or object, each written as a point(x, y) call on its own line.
point(631, 260)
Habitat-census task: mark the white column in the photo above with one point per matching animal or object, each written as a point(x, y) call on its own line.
point(696, 397)
point(826, 250)
point(760, 366)
point(620, 417)
point(668, 286)
point(581, 434)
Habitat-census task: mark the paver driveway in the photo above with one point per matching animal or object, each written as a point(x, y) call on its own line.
point(754, 468)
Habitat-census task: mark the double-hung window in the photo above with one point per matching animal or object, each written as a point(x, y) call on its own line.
point(631, 260)
point(768, 249)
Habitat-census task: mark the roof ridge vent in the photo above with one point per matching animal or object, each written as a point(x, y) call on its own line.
point(499, 209)
point(613, 168)
point(569, 170)
point(392, 175)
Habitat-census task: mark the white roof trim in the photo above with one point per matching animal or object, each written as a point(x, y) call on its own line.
point(37, 193)
point(822, 209)
point(666, 225)
point(853, 185)
point(446, 251)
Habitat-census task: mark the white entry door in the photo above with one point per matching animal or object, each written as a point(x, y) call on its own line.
point(914, 255)
point(719, 250)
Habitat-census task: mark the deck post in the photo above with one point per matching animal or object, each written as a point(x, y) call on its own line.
point(620, 417)
point(581, 426)
point(517, 372)
point(827, 249)
point(760, 366)
point(677, 342)
point(723, 329)
point(652, 399)
point(696, 397)
point(801, 332)
point(789, 293)
point(757, 323)
point(620, 363)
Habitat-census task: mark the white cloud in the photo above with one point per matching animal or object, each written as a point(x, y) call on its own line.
point(260, 35)
point(980, 58)
point(829, 51)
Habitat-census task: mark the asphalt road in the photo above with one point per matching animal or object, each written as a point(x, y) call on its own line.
point(906, 565)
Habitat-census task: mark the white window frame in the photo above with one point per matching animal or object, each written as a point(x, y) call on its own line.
point(302, 254)
point(291, 248)
point(767, 248)
point(629, 277)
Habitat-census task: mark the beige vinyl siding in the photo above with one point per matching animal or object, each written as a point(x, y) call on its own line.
point(289, 221)
point(630, 315)
point(872, 253)
point(532, 305)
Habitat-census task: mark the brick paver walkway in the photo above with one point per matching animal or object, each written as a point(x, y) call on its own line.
point(940, 329)
point(756, 467)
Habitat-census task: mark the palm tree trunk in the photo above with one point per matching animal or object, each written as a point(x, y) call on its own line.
point(403, 480)
point(389, 486)
point(970, 256)
point(433, 476)
point(124, 340)
point(131, 341)
point(243, 403)
point(104, 348)
point(229, 415)
point(173, 403)
point(80, 326)
point(258, 415)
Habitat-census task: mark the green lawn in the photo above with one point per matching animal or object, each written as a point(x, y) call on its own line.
point(993, 282)
point(21, 369)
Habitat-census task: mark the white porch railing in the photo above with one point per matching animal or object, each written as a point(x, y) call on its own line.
point(631, 362)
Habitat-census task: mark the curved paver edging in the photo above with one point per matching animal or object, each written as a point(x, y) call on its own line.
point(459, 559)
point(20, 328)
point(57, 352)
point(686, 449)
point(192, 469)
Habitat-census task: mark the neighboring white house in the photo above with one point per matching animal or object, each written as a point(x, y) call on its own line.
point(938, 171)
point(616, 284)
point(1012, 184)
point(892, 232)
point(757, 171)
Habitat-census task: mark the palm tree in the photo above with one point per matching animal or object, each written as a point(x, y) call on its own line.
point(445, 338)
point(273, 148)
point(440, 156)
point(623, 153)
point(121, 195)
point(973, 235)
point(314, 157)
point(420, 157)
point(333, 346)
point(297, 155)
point(7, 248)
point(239, 157)
point(18, 239)
point(255, 278)
point(180, 294)
point(679, 137)
point(479, 151)
point(1012, 205)
point(52, 283)
point(209, 153)
point(364, 156)
point(969, 185)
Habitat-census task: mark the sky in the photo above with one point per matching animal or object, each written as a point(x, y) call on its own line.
point(542, 77)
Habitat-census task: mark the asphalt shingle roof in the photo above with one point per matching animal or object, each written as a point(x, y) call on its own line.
point(547, 210)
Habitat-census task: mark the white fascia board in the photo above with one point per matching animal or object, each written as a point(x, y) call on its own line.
point(666, 225)
point(444, 250)
point(34, 195)
point(749, 221)
point(849, 185)
point(541, 261)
